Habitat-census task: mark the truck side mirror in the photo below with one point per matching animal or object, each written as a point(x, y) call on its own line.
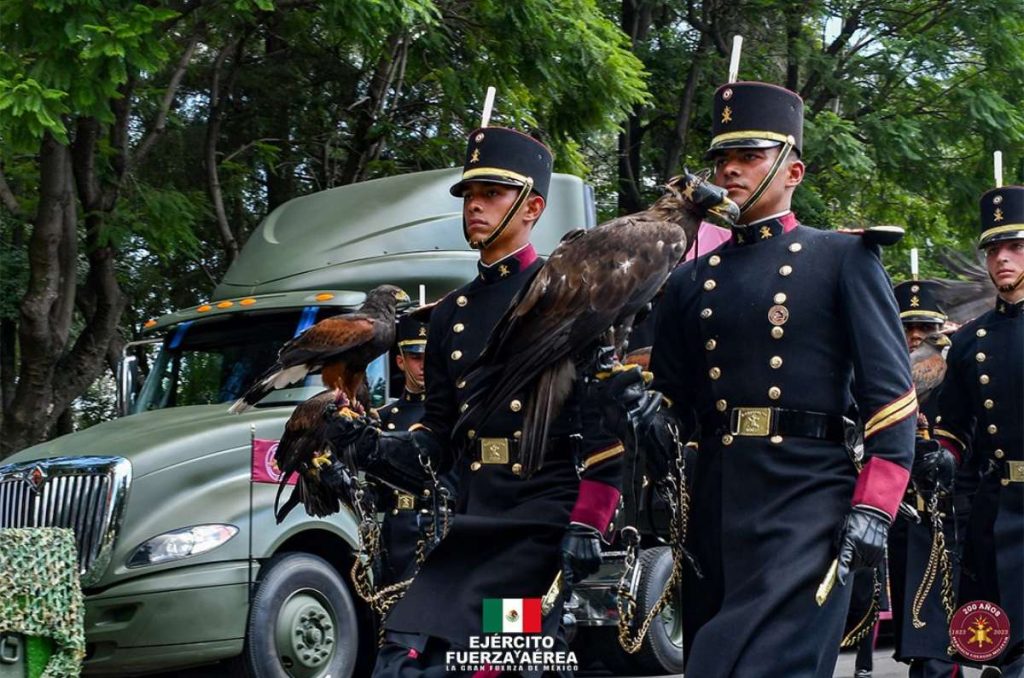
point(126, 372)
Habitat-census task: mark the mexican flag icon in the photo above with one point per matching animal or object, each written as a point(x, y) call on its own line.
point(511, 615)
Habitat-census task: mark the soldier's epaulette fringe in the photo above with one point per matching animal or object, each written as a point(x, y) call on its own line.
point(603, 455)
point(882, 236)
point(893, 413)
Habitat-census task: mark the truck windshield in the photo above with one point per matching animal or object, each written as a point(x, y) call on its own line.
point(216, 360)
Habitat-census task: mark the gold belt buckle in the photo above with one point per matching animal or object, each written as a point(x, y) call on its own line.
point(751, 421)
point(1015, 471)
point(494, 450)
point(404, 501)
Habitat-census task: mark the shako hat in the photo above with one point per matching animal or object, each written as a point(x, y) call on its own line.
point(756, 115)
point(917, 302)
point(1002, 215)
point(504, 156)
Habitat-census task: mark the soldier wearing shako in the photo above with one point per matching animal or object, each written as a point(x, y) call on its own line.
point(920, 626)
point(762, 347)
point(512, 533)
point(980, 409)
point(411, 342)
point(406, 514)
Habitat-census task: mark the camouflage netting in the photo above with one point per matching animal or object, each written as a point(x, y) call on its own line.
point(40, 594)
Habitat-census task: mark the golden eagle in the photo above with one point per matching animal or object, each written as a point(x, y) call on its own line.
point(342, 346)
point(594, 281)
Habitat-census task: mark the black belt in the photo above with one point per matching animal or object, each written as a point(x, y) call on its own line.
point(494, 451)
point(1013, 472)
point(765, 422)
point(395, 501)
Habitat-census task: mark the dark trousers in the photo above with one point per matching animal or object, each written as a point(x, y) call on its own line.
point(933, 668)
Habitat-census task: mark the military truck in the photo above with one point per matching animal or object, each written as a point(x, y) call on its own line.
point(181, 560)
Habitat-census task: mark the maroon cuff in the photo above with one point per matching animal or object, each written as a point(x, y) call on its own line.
point(595, 505)
point(881, 485)
point(952, 448)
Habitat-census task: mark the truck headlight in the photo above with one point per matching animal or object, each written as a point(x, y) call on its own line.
point(177, 544)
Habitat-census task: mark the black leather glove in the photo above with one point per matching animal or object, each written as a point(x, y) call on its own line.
point(625, 401)
point(353, 439)
point(934, 466)
point(581, 553)
point(862, 540)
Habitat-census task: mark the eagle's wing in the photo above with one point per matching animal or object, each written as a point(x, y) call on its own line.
point(966, 298)
point(589, 283)
point(328, 339)
point(325, 341)
point(305, 441)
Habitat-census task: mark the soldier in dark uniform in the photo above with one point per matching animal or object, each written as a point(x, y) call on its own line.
point(980, 407)
point(406, 514)
point(910, 543)
point(511, 533)
point(762, 347)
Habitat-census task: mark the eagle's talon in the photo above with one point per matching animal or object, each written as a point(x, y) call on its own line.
point(322, 459)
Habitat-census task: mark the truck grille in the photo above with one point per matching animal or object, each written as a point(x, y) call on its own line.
point(86, 494)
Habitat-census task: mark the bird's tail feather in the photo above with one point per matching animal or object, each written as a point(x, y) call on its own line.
point(545, 404)
point(276, 378)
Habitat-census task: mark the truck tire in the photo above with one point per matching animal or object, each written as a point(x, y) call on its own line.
point(302, 622)
point(662, 648)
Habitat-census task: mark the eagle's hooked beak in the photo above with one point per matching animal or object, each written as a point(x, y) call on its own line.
point(714, 200)
point(725, 213)
point(402, 299)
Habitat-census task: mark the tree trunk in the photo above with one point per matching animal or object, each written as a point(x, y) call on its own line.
point(280, 174)
point(8, 347)
point(677, 147)
point(365, 141)
point(794, 26)
point(27, 419)
point(636, 23)
point(9, 332)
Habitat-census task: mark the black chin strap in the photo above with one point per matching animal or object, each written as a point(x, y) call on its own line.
point(787, 147)
point(418, 383)
point(524, 192)
point(1012, 286)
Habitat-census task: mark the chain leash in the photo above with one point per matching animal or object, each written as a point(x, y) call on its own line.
point(673, 489)
point(369, 552)
point(867, 622)
point(938, 562)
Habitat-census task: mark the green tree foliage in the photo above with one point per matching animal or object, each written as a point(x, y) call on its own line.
point(905, 102)
point(140, 143)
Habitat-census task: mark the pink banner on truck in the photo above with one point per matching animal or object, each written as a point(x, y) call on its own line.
point(264, 468)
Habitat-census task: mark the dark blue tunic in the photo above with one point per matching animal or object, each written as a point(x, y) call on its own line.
point(981, 409)
point(805, 320)
point(507, 530)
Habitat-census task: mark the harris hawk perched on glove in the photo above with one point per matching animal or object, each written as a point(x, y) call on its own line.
point(594, 281)
point(304, 449)
point(928, 363)
point(341, 346)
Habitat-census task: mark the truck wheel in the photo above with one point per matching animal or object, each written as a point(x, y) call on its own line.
point(662, 648)
point(302, 622)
